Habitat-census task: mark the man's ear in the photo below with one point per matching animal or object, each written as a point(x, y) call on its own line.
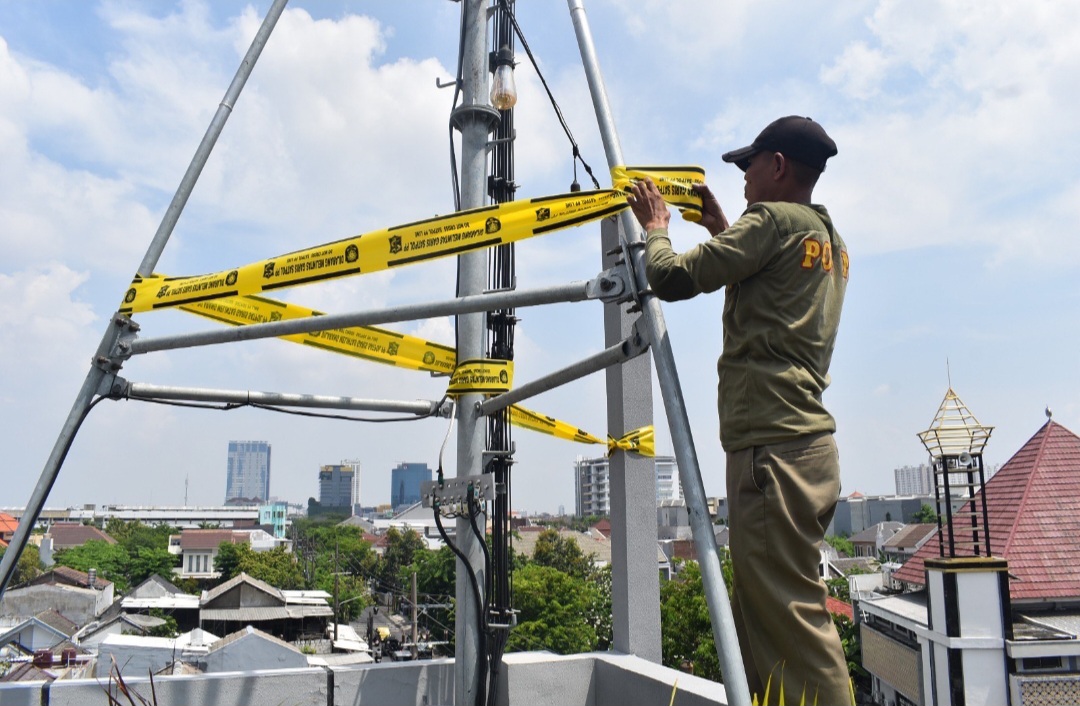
point(779, 166)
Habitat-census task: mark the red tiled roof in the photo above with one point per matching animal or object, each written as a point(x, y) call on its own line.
point(74, 534)
point(8, 524)
point(837, 606)
point(209, 538)
point(70, 577)
point(1033, 505)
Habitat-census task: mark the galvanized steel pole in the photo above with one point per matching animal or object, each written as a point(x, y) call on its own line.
point(723, 624)
point(474, 118)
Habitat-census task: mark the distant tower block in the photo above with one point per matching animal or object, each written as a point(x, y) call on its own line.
point(967, 589)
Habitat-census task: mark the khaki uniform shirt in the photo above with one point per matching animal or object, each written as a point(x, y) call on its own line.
point(785, 269)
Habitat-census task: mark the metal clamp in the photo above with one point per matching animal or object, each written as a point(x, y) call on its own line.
point(115, 348)
point(611, 285)
point(458, 491)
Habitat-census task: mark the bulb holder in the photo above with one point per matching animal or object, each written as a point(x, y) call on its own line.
point(503, 86)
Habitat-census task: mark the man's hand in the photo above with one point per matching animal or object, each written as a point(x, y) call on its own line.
point(712, 216)
point(648, 206)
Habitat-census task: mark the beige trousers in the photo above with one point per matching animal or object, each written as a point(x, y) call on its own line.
point(781, 498)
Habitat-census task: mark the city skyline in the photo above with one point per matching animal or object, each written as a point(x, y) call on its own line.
point(951, 189)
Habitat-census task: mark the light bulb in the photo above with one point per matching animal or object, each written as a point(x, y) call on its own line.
point(503, 88)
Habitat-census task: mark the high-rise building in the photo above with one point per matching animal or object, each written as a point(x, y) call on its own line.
point(592, 491)
point(336, 487)
point(668, 484)
point(355, 465)
point(405, 480)
point(248, 475)
point(914, 480)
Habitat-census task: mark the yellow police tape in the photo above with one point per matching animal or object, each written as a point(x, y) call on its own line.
point(404, 351)
point(457, 233)
point(639, 441)
point(485, 376)
point(676, 185)
point(366, 342)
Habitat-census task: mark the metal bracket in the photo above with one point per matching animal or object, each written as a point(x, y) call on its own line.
point(478, 112)
point(115, 348)
point(635, 344)
point(628, 258)
point(612, 285)
point(458, 491)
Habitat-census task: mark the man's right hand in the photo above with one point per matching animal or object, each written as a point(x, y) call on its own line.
point(712, 216)
point(648, 205)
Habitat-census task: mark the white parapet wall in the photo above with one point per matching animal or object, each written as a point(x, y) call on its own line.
point(526, 679)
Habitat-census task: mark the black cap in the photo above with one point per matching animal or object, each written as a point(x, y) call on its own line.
point(794, 137)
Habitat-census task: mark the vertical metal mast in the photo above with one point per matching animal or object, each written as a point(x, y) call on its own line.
point(100, 367)
point(474, 118)
point(723, 624)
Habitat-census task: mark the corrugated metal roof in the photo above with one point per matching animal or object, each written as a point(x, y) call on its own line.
point(235, 581)
point(175, 602)
point(255, 615)
point(1033, 504)
point(267, 613)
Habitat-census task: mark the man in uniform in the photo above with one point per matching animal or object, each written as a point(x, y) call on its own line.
point(785, 270)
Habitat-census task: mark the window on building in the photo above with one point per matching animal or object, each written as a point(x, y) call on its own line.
point(1040, 664)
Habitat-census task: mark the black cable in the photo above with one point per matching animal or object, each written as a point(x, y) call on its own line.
point(476, 595)
point(230, 406)
point(453, 106)
point(551, 97)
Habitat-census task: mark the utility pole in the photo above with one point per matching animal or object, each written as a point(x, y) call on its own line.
point(414, 634)
point(474, 119)
point(337, 606)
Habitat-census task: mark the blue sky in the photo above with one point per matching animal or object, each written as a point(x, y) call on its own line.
point(956, 189)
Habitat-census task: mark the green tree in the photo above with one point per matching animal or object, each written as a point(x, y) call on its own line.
point(839, 588)
point(147, 561)
point(685, 627)
point(436, 572)
point(581, 524)
point(276, 567)
point(168, 629)
point(28, 566)
point(135, 535)
point(562, 553)
point(599, 613)
point(400, 548)
point(842, 545)
point(849, 638)
point(109, 560)
point(925, 515)
point(227, 561)
point(551, 604)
